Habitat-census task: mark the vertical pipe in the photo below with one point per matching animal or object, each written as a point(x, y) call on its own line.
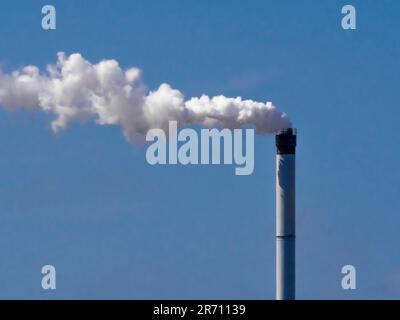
point(285, 214)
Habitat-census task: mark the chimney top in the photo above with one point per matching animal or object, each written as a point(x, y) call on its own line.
point(286, 140)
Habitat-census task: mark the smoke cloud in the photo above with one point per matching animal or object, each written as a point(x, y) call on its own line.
point(76, 90)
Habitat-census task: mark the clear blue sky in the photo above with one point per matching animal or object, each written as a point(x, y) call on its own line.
point(87, 202)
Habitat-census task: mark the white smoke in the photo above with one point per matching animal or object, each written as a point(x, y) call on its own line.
point(75, 90)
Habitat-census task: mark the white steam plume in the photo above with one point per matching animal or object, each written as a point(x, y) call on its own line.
point(75, 90)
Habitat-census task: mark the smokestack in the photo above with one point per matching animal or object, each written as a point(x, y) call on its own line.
point(285, 214)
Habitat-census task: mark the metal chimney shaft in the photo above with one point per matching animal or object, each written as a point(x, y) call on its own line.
point(285, 214)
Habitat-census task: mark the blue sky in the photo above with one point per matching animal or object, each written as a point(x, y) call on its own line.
point(87, 202)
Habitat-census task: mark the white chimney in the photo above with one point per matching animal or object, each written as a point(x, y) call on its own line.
point(285, 214)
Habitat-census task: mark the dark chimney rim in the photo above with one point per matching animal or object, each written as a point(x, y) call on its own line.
point(289, 131)
point(286, 140)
